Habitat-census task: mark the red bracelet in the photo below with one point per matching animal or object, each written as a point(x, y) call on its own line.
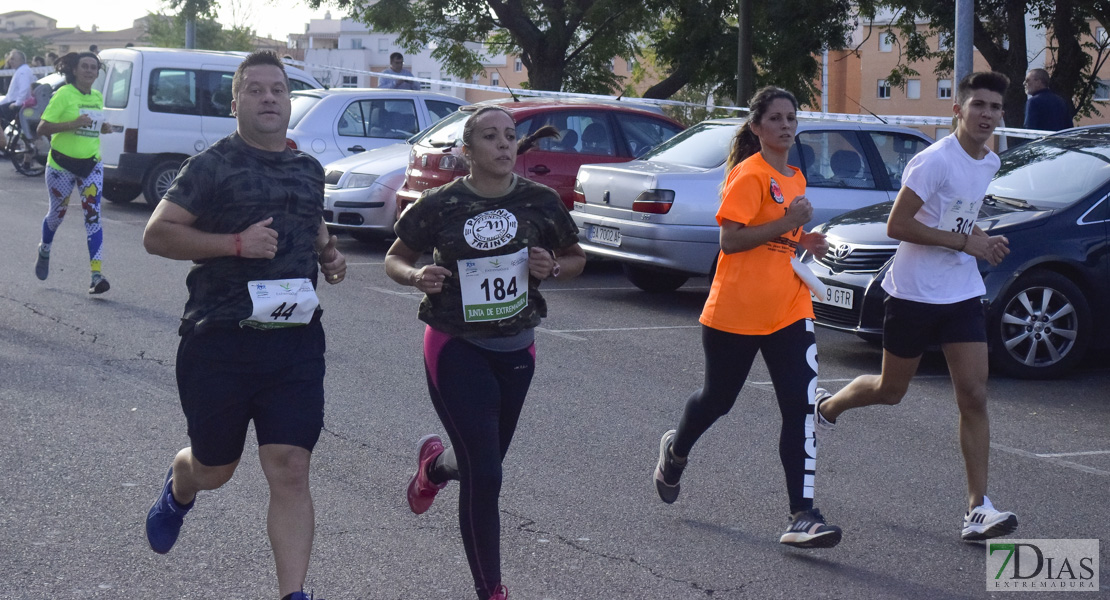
point(238, 245)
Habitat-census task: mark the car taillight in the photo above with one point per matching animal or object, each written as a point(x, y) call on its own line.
point(579, 195)
point(292, 145)
point(448, 162)
point(654, 201)
point(131, 140)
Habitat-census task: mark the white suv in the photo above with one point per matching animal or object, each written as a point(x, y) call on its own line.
point(172, 104)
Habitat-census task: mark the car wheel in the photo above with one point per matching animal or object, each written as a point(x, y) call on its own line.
point(159, 179)
point(120, 193)
point(654, 280)
point(1040, 328)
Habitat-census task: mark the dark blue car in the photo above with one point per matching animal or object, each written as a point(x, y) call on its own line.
point(1048, 302)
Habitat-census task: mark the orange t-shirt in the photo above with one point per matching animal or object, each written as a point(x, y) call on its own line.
point(756, 292)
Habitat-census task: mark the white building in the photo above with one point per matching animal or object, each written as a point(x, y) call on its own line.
point(332, 46)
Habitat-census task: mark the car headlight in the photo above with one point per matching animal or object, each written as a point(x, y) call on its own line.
point(360, 180)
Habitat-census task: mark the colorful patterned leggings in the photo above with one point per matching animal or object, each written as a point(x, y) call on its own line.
point(60, 184)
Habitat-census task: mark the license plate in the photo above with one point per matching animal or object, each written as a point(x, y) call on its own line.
point(609, 236)
point(838, 296)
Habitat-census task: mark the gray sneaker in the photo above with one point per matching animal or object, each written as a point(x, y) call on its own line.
point(99, 284)
point(668, 470)
point(42, 265)
point(819, 420)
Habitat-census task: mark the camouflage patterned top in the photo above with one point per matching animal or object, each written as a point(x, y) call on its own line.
point(231, 186)
point(448, 221)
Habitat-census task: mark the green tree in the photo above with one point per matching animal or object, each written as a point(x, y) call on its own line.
point(695, 42)
point(565, 44)
point(31, 47)
point(169, 32)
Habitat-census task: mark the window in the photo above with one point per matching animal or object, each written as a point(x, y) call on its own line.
point(835, 159)
point(349, 81)
point(518, 66)
point(383, 46)
point(439, 109)
point(424, 85)
point(1100, 36)
point(356, 44)
point(631, 62)
point(119, 84)
point(944, 88)
point(495, 78)
point(913, 89)
point(1102, 91)
point(941, 132)
point(612, 66)
point(391, 119)
point(173, 91)
point(896, 150)
point(886, 41)
point(884, 89)
point(219, 100)
point(446, 85)
point(643, 134)
point(944, 41)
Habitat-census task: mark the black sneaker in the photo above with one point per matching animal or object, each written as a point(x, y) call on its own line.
point(668, 470)
point(163, 521)
point(809, 530)
point(99, 284)
point(42, 264)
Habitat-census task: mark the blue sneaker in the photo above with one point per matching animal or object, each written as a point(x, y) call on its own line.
point(163, 522)
point(300, 596)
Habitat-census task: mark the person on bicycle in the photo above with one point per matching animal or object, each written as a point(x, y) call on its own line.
point(18, 90)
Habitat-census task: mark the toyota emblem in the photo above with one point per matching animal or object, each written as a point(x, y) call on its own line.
point(842, 251)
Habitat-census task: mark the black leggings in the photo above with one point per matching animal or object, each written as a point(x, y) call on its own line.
point(791, 357)
point(478, 395)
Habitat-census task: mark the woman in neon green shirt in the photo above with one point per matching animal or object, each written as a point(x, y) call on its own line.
point(75, 119)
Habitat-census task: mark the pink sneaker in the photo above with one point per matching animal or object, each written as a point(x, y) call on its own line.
point(502, 593)
point(422, 492)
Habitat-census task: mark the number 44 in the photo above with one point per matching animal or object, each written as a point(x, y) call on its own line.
point(281, 311)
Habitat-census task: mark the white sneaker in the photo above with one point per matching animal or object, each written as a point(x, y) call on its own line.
point(819, 420)
point(984, 522)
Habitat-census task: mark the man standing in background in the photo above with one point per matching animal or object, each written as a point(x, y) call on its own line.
point(1044, 109)
point(397, 67)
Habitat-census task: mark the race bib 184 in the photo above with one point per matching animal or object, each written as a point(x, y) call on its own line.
point(495, 287)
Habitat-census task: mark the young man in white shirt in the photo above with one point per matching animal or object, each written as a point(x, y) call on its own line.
point(935, 288)
point(18, 90)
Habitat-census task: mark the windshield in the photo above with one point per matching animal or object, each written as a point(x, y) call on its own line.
point(446, 131)
point(301, 106)
point(704, 145)
point(1034, 173)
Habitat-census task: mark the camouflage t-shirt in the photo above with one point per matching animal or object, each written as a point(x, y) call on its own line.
point(229, 187)
point(444, 220)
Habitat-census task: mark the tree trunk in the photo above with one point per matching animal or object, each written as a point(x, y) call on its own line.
point(1011, 61)
point(1067, 73)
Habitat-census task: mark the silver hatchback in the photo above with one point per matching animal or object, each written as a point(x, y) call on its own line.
point(657, 215)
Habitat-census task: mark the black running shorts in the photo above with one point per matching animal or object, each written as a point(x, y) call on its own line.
point(909, 327)
point(228, 377)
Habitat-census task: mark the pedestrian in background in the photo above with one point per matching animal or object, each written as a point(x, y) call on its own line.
point(759, 304)
point(1044, 109)
point(397, 67)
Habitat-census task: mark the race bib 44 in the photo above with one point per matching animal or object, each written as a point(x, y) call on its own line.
point(281, 303)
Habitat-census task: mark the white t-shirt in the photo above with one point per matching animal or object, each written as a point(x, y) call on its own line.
point(20, 87)
point(952, 184)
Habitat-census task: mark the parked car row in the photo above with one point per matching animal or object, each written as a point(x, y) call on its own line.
point(657, 215)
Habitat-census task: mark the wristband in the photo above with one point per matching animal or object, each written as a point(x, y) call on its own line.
point(966, 238)
point(238, 245)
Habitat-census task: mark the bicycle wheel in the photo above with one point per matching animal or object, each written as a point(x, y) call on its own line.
point(22, 154)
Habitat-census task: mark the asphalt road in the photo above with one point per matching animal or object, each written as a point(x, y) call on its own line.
point(91, 419)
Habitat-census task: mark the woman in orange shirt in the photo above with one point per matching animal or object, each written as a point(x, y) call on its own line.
point(758, 304)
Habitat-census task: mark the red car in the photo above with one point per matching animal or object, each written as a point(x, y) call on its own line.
point(591, 132)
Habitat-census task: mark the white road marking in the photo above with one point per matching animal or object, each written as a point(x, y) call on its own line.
point(1058, 461)
point(561, 334)
point(629, 328)
point(1062, 454)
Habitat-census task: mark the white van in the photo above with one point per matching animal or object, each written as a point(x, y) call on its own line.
point(172, 103)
